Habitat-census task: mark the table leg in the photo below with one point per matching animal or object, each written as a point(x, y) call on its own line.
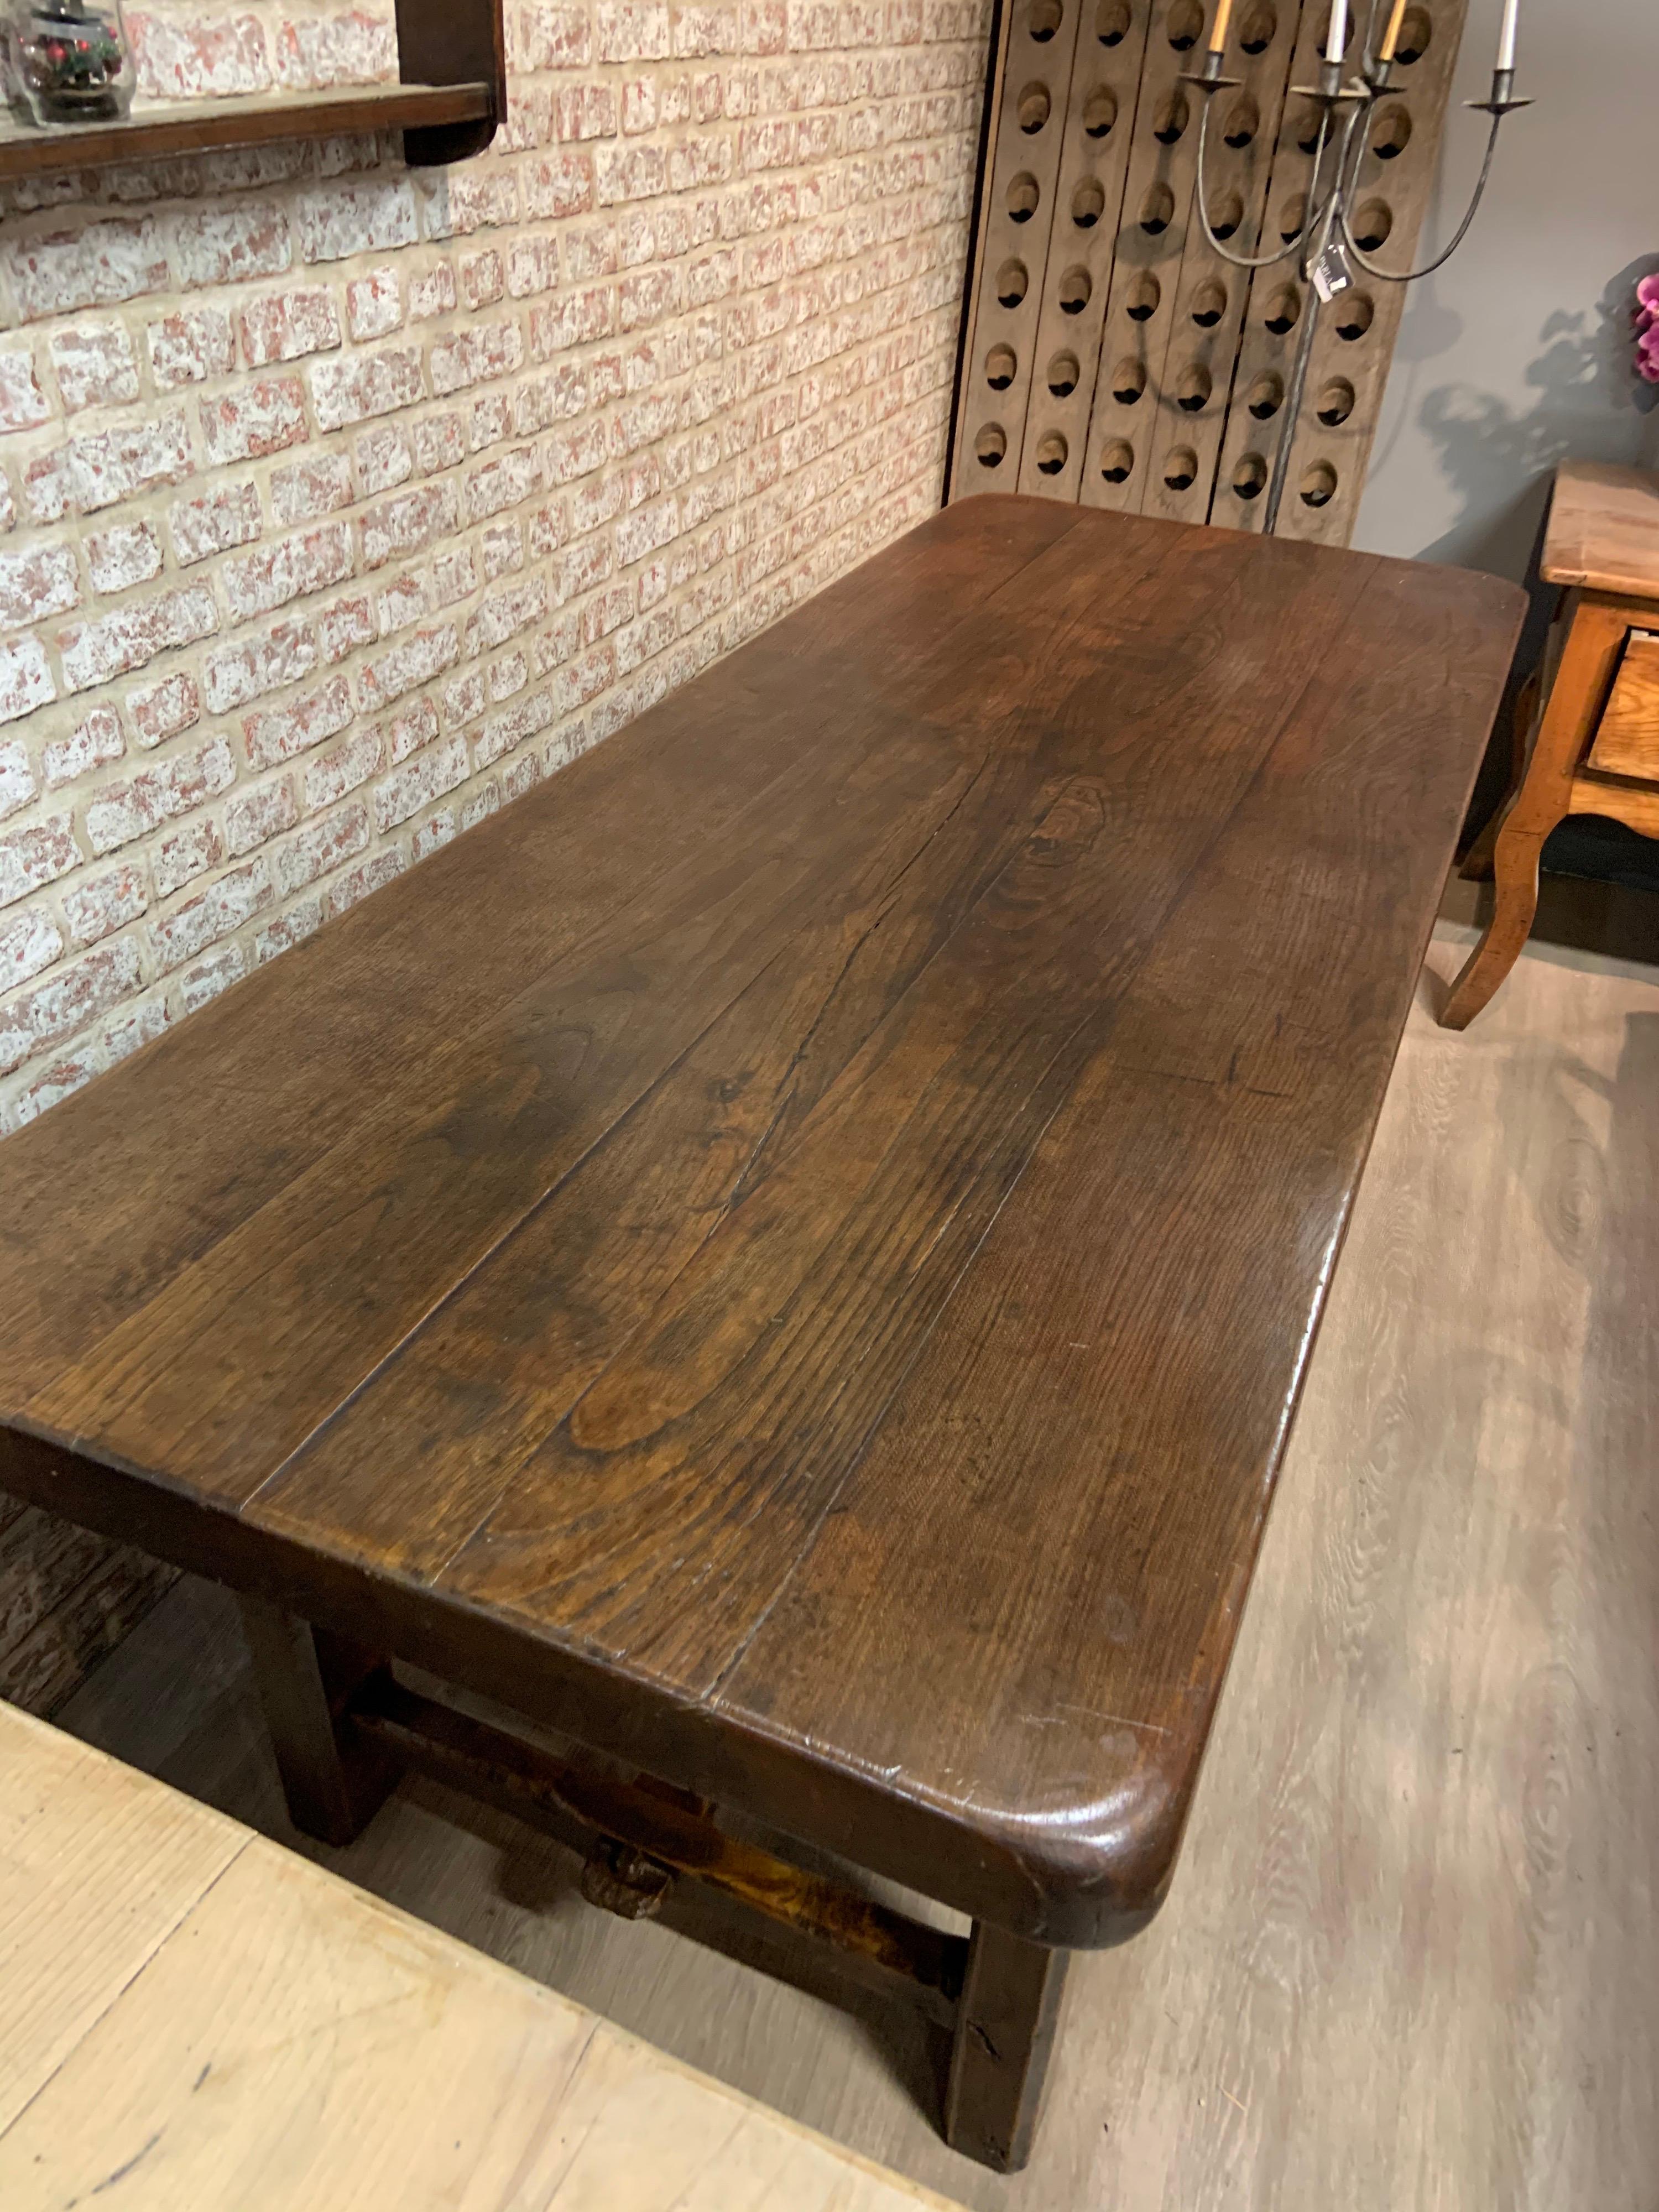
point(1540, 802)
point(1005, 2030)
point(333, 1781)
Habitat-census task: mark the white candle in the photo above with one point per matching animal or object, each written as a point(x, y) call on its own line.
point(1336, 32)
point(1506, 35)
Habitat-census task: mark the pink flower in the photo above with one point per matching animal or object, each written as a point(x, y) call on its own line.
point(1647, 294)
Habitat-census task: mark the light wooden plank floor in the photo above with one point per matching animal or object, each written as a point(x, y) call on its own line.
point(1409, 1959)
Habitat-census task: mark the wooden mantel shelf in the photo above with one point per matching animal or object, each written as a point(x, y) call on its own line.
point(192, 126)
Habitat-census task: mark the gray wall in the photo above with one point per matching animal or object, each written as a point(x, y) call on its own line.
point(1518, 351)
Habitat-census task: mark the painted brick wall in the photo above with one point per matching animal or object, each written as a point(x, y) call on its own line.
point(340, 503)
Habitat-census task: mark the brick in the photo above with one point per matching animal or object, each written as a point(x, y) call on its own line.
point(550, 38)
point(413, 660)
point(139, 1025)
point(576, 319)
point(342, 218)
point(97, 741)
point(533, 266)
point(28, 942)
point(631, 30)
point(283, 325)
point(117, 464)
point(189, 852)
point(188, 348)
point(24, 679)
point(33, 856)
point(214, 522)
point(94, 366)
point(561, 184)
point(368, 876)
point(329, 776)
point(464, 696)
point(432, 293)
point(228, 244)
point(67, 1000)
point(22, 403)
point(273, 737)
point(467, 199)
point(256, 583)
point(304, 491)
point(320, 846)
point(95, 652)
point(225, 905)
point(384, 457)
point(254, 816)
point(161, 710)
point(37, 581)
point(118, 558)
point(502, 731)
point(421, 780)
point(97, 905)
point(361, 384)
point(407, 732)
point(500, 548)
point(473, 355)
point(408, 522)
point(585, 111)
point(95, 266)
point(157, 794)
point(345, 626)
point(373, 304)
point(303, 920)
point(482, 279)
point(501, 484)
point(259, 419)
point(198, 58)
point(17, 777)
point(349, 48)
point(210, 977)
point(436, 832)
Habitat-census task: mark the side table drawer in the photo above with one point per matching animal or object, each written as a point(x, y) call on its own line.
point(1627, 740)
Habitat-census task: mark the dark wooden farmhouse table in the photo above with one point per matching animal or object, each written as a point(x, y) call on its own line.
point(749, 1309)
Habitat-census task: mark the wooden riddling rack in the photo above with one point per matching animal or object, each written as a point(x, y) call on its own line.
point(1112, 355)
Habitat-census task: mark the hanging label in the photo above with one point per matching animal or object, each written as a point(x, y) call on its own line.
point(1331, 272)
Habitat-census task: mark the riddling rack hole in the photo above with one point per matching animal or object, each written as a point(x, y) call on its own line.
point(1129, 381)
point(1336, 402)
point(1250, 475)
point(1181, 468)
point(1145, 296)
point(1033, 108)
point(1000, 368)
point(1117, 459)
point(1063, 373)
point(1074, 288)
point(1051, 452)
point(1024, 193)
point(1354, 315)
point(1318, 485)
point(1045, 20)
point(1112, 23)
point(991, 445)
point(1099, 111)
point(1186, 24)
point(1011, 281)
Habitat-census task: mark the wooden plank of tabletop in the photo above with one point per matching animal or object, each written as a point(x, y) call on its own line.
point(290, 2042)
point(1603, 529)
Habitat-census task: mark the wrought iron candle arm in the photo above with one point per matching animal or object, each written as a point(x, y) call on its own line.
point(1326, 215)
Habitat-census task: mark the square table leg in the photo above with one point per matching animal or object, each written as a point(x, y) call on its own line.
point(1005, 2031)
point(334, 1781)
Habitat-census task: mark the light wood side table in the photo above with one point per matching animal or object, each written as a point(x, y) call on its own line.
point(1597, 745)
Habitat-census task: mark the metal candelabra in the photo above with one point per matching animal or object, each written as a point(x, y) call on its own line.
point(1327, 250)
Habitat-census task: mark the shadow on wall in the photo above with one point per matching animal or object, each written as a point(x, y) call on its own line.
point(1587, 391)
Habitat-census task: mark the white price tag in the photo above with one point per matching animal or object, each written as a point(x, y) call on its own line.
point(1331, 272)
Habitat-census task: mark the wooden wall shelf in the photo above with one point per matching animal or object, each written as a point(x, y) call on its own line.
point(191, 126)
point(454, 61)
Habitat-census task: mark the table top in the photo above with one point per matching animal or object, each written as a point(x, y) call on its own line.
point(1603, 529)
point(790, 1252)
point(216, 2022)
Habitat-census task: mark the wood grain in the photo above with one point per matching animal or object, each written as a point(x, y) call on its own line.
point(822, 1320)
point(1627, 737)
point(1603, 529)
point(1408, 1958)
point(289, 2042)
